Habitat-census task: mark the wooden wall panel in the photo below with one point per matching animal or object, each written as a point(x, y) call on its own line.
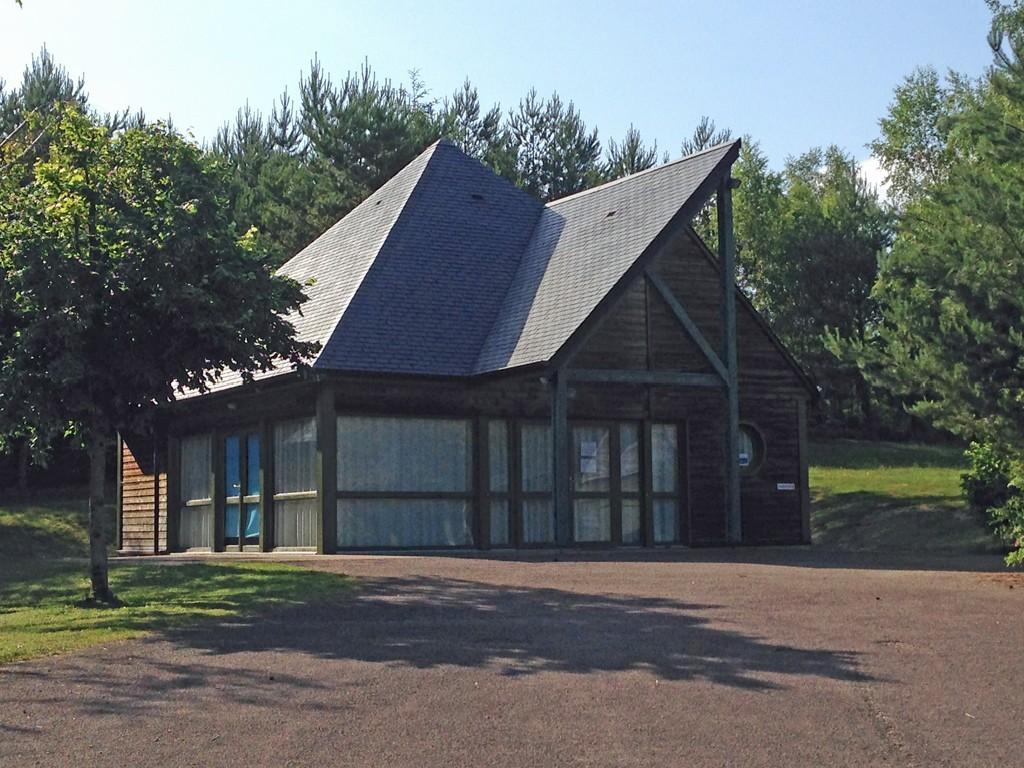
point(143, 496)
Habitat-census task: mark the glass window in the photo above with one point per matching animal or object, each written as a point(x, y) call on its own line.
point(195, 516)
point(665, 521)
point(538, 521)
point(295, 522)
point(404, 522)
point(233, 470)
point(751, 449)
point(664, 458)
point(417, 458)
point(592, 520)
point(497, 446)
point(405, 455)
point(632, 532)
point(591, 469)
point(499, 523)
point(536, 458)
point(295, 456)
point(196, 482)
point(629, 457)
point(252, 462)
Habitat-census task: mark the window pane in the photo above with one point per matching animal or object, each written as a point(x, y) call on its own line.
point(418, 455)
point(499, 523)
point(252, 465)
point(231, 522)
point(631, 529)
point(252, 524)
point(195, 468)
point(232, 468)
point(536, 457)
point(497, 441)
point(664, 457)
point(195, 527)
point(591, 469)
point(629, 456)
point(665, 518)
point(592, 520)
point(295, 456)
point(295, 522)
point(538, 521)
point(403, 523)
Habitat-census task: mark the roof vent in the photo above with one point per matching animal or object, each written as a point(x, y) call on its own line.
point(609, 214)
point(476, 196)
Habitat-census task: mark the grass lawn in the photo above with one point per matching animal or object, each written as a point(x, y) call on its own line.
point(892, 496)
point(43, 574)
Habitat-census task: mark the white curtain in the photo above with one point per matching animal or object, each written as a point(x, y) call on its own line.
point(414, 455)
point(195, 521)
point(403, 523)
point(536, 457)
point(592, 520)
point(665, 519)
point(497, 441)
point(665, 458)
point(195, 468)
point(538, 521)
point(295, 456)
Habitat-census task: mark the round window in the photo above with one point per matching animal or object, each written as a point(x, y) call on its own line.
point(751, 449)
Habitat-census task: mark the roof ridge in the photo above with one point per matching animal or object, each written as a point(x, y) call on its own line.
point(645, 172)
point(391, 229)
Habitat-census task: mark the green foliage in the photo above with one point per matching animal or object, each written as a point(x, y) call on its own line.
point(124, 280)
point(992, 486)
point(631, 156)
point(556, 155)
point(952, 343)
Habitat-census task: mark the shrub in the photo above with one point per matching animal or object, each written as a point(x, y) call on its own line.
point(993, 486)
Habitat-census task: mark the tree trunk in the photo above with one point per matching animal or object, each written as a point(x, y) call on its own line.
point(99, 511)
point(24, 456)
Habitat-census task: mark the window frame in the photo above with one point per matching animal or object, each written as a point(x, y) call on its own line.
point(470, 495)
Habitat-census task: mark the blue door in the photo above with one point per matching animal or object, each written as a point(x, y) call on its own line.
point(242, 489)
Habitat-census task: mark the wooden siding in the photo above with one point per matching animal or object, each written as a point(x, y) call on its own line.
point(143, 497)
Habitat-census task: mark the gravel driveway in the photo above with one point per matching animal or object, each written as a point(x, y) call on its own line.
point(756, 658)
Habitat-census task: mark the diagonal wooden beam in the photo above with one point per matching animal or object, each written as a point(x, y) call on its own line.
point(688, 325)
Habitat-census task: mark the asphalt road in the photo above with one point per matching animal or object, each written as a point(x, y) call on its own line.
point(702, 659)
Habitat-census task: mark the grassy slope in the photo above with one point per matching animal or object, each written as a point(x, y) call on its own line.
point(889, 496)
point(43, 574)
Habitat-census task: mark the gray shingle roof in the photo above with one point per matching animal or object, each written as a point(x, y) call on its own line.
point(450, 270)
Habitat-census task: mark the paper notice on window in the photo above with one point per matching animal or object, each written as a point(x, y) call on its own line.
point(588, 449)
point(744, 459)
point(785, 486)
point(588, 465)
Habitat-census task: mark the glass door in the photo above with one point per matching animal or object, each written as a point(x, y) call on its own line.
point(242, 489)
point(592, 484)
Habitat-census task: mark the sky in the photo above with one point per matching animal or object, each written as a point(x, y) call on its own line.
point(791, 74)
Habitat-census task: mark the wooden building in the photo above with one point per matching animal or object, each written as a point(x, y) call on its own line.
point(497, 373)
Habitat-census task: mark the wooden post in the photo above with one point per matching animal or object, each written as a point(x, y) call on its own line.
point(480, 478)
point(217, 447)
point(647, 476)
point(266, 487)
point(805, 491)
point(327, 468)
point(727, 261)
point(173, 491)
point(560, 457)
point(119, 481)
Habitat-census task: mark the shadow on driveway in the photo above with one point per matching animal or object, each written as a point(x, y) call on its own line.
point(427, 622)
